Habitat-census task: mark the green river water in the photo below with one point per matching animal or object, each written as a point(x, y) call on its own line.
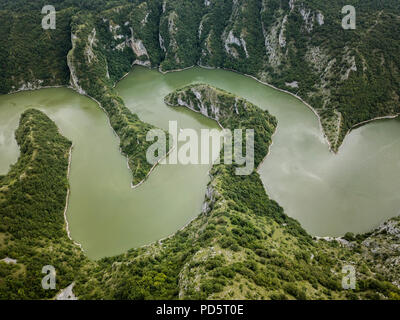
point(329, 194)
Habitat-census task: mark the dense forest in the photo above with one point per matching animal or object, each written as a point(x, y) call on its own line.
point(242, 245)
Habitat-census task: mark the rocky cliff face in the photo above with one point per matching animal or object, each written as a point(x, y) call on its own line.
point(229, 111)
point(382, 247)
point(206, 100)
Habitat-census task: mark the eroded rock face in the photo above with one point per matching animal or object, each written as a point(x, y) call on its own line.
point(200, 98)
point(89, 47)
point(282, 38)
point(232, 40)
point(140, 51)
point(320, 18)
point(383, 247)
point(74, 81)
point(36, 84)
point(67, 293)
point(9, 260)
point(293, 84)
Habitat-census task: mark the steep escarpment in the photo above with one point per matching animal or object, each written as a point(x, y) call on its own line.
point(300, 46)
point(178, 35)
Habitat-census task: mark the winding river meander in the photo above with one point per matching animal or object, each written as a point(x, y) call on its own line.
point(329, 194)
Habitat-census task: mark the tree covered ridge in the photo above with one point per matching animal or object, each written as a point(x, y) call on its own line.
point(32, 202)
point(95, 67)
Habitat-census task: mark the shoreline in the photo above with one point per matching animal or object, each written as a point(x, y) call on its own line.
point(360, 124)
point(175, 70)
point(152, 169)
point(305, 103)
point(355, 126)
point(67, 201)
point(120, 150)
point(39, 88)
point(263, 83)
point(269, 149)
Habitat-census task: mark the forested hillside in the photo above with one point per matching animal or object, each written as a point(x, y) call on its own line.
point(347, 76)
point(31, 57)
point(230, 111)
